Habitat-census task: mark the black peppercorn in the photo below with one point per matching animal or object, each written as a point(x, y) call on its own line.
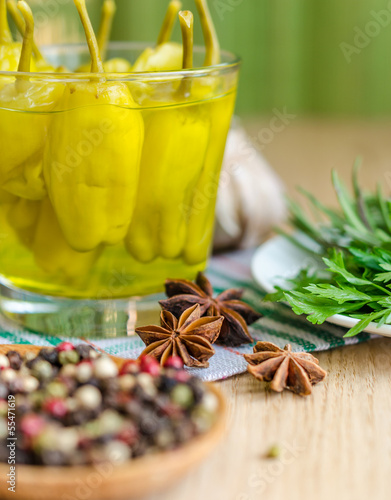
point(15, 360)
point(86, 351)
point(50, 355)
point(166, 384)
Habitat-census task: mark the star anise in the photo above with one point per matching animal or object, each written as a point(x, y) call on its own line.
point(296, 371)
point(191, 337)
point(237, 314)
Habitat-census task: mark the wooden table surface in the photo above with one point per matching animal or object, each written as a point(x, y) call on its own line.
point(336, 444)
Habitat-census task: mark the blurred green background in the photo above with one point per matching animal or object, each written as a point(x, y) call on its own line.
point(313, 57)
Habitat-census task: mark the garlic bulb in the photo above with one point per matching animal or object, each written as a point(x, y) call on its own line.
point(251, 196)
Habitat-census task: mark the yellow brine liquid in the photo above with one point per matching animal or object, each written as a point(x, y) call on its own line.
point(102, 233)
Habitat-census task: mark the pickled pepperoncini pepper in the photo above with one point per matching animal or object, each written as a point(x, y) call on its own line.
point(172, 162)
point(201, 214)
point(23, 108)
point(53, 254)
point(23, 218)
point(94, 198)
point(166, 56)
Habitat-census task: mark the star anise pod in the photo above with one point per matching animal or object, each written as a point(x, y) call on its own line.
point(191, 337)
point(237, 314)
point(296, 371)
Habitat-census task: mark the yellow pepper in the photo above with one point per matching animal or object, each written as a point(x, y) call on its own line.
point(23, 108)
point(7, 198)
point(23, 218)
point(39, 60)
point(166, 56)
point(201, 209)
point(97, 123)
point(172, 162)
point(116, 65)
point(28, 180)
point(53, 254)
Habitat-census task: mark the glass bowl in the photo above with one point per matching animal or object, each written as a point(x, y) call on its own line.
point(108, 186)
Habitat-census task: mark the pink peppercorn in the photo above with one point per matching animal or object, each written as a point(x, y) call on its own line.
point(32, 425)
point(174, 362)
point(65, 346)
point(56, 407)
point(150, 365)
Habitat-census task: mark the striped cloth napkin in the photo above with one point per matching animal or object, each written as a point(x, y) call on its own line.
point(279, 325)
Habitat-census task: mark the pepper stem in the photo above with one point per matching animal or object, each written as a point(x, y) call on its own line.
point(186, 20)
point(106, 24)
point(28, 37)
point(169, 22)
point(213, 54)
point(21, 25)
point(5, 33)
point(96, 61)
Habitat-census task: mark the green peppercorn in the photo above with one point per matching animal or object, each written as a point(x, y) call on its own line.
point(57, 390)
point(42, 370)
point(182, 395)
point(46, 440)
point(37, 398)
point(92, 429)
point(68, 357)
point(110, 422)
point(3, 408)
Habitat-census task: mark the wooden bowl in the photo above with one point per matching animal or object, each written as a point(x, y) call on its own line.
point(137, 478)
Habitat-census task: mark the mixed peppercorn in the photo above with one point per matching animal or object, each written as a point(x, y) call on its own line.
point(75, 406)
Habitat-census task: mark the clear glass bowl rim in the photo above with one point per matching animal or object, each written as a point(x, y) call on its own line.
point(232, 64)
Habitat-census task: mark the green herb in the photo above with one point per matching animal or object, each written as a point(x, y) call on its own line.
point(354, 243)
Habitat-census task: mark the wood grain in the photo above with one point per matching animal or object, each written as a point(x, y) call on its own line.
point(336, 444)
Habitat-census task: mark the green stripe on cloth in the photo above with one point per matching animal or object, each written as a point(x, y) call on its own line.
point(278, 325)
